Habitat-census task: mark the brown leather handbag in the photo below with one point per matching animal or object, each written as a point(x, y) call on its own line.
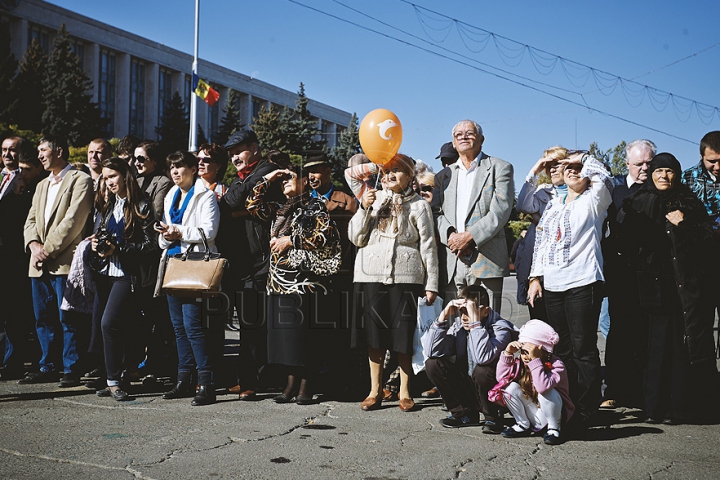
point(194, 274)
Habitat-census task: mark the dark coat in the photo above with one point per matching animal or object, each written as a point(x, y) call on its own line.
point(676, 263)
point(156, 188)
point(243, 239)
point(139, 255)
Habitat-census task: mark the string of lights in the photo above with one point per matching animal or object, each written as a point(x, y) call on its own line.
point(488, 72)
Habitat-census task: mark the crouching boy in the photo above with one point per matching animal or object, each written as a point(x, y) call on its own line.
point(463, 349)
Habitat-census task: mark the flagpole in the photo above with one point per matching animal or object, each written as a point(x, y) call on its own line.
point(192, 142)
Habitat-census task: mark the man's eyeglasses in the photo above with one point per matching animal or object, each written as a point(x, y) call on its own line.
point(140, 159)
point(205, 160)
point(461, 135)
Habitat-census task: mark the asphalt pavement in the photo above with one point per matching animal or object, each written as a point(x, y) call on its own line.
point(53, 433)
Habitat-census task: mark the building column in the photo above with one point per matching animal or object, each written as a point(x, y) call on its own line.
point(152, 71)
point(332, 137)
point(246, 109)
point(92, 68)
point(19, 38)
point(178, 84)
point(122, 94)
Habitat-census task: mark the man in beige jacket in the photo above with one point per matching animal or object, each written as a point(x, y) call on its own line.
point(54, 226)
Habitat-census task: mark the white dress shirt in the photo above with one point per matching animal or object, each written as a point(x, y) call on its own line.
point(54, 182)
point(466, 179)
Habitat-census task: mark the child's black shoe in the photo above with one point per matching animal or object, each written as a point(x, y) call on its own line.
point(552, 437)
point(516, 431)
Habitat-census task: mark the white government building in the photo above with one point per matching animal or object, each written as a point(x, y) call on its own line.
point(133, 77)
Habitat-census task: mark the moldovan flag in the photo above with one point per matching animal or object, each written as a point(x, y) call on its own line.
point(205, 91)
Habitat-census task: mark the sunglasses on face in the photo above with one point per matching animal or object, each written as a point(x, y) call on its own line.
point(205, 160)
point(140, 159)
point(424, 188)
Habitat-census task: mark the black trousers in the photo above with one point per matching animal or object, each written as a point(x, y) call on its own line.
point(574, 315)
point(463, 394)
point(626, 348)
point(117, 317)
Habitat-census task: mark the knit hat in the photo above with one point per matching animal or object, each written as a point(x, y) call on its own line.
point(539, 333)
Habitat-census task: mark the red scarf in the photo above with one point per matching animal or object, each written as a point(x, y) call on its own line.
point(245, 171)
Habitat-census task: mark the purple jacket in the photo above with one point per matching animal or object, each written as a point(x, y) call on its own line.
point(543, 380)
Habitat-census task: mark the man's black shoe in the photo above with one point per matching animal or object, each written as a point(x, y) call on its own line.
point(69, 380)
point(38, 377)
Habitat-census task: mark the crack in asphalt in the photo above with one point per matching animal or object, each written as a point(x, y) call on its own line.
point(460, 468)
point(127, 406)
point(308, 421)
point(662, 470)
point(135, 473)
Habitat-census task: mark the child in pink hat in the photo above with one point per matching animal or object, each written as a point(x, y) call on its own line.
point(539, 397)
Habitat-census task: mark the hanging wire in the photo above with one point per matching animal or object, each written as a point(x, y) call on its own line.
point(496, 75)
point(566, 63)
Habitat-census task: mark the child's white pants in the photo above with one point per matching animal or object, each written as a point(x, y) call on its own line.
point(527, 414)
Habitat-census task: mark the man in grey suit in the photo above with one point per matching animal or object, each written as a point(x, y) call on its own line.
point(54, 226)
point(472, 201)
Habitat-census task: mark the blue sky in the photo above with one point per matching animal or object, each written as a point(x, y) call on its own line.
point(352, 68)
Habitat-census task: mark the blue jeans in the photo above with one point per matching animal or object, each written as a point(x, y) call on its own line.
point(604, 323)
point(192, 340)
point(47, 294)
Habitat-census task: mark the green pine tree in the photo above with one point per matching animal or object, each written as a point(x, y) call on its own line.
point(27, 107)
point(230, 122)
point(8, 67)
point(174, 129)
point(303, 128)
point(69, 109)
point(271, 128)
point(348, 144)
point(201, 137)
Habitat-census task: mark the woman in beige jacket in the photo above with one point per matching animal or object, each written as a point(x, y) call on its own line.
point(396, 263)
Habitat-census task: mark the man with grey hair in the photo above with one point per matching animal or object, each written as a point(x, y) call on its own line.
point(472, 201)
point(623, 357)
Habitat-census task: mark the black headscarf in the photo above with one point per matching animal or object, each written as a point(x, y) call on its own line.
point(655, 203)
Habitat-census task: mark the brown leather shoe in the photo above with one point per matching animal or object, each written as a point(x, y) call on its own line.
point(371, 403)
point(406, 404)
point(247, 395)
point(432, 393)
point(235, 390)
point(389, 396)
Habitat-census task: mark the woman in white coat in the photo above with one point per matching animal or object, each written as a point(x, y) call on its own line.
point(189, 208)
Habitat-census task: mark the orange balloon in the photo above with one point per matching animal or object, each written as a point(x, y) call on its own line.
point(380, 135)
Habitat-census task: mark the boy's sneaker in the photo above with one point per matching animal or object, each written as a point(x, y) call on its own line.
point(458, 422)
point(492, 428)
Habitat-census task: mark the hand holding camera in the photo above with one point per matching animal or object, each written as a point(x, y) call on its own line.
point(103, 243)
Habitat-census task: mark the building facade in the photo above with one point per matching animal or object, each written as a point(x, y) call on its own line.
point(134, 77)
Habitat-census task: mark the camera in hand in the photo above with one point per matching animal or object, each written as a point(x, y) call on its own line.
point(104, 239)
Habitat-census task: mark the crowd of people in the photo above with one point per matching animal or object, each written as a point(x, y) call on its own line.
point(319, 278)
